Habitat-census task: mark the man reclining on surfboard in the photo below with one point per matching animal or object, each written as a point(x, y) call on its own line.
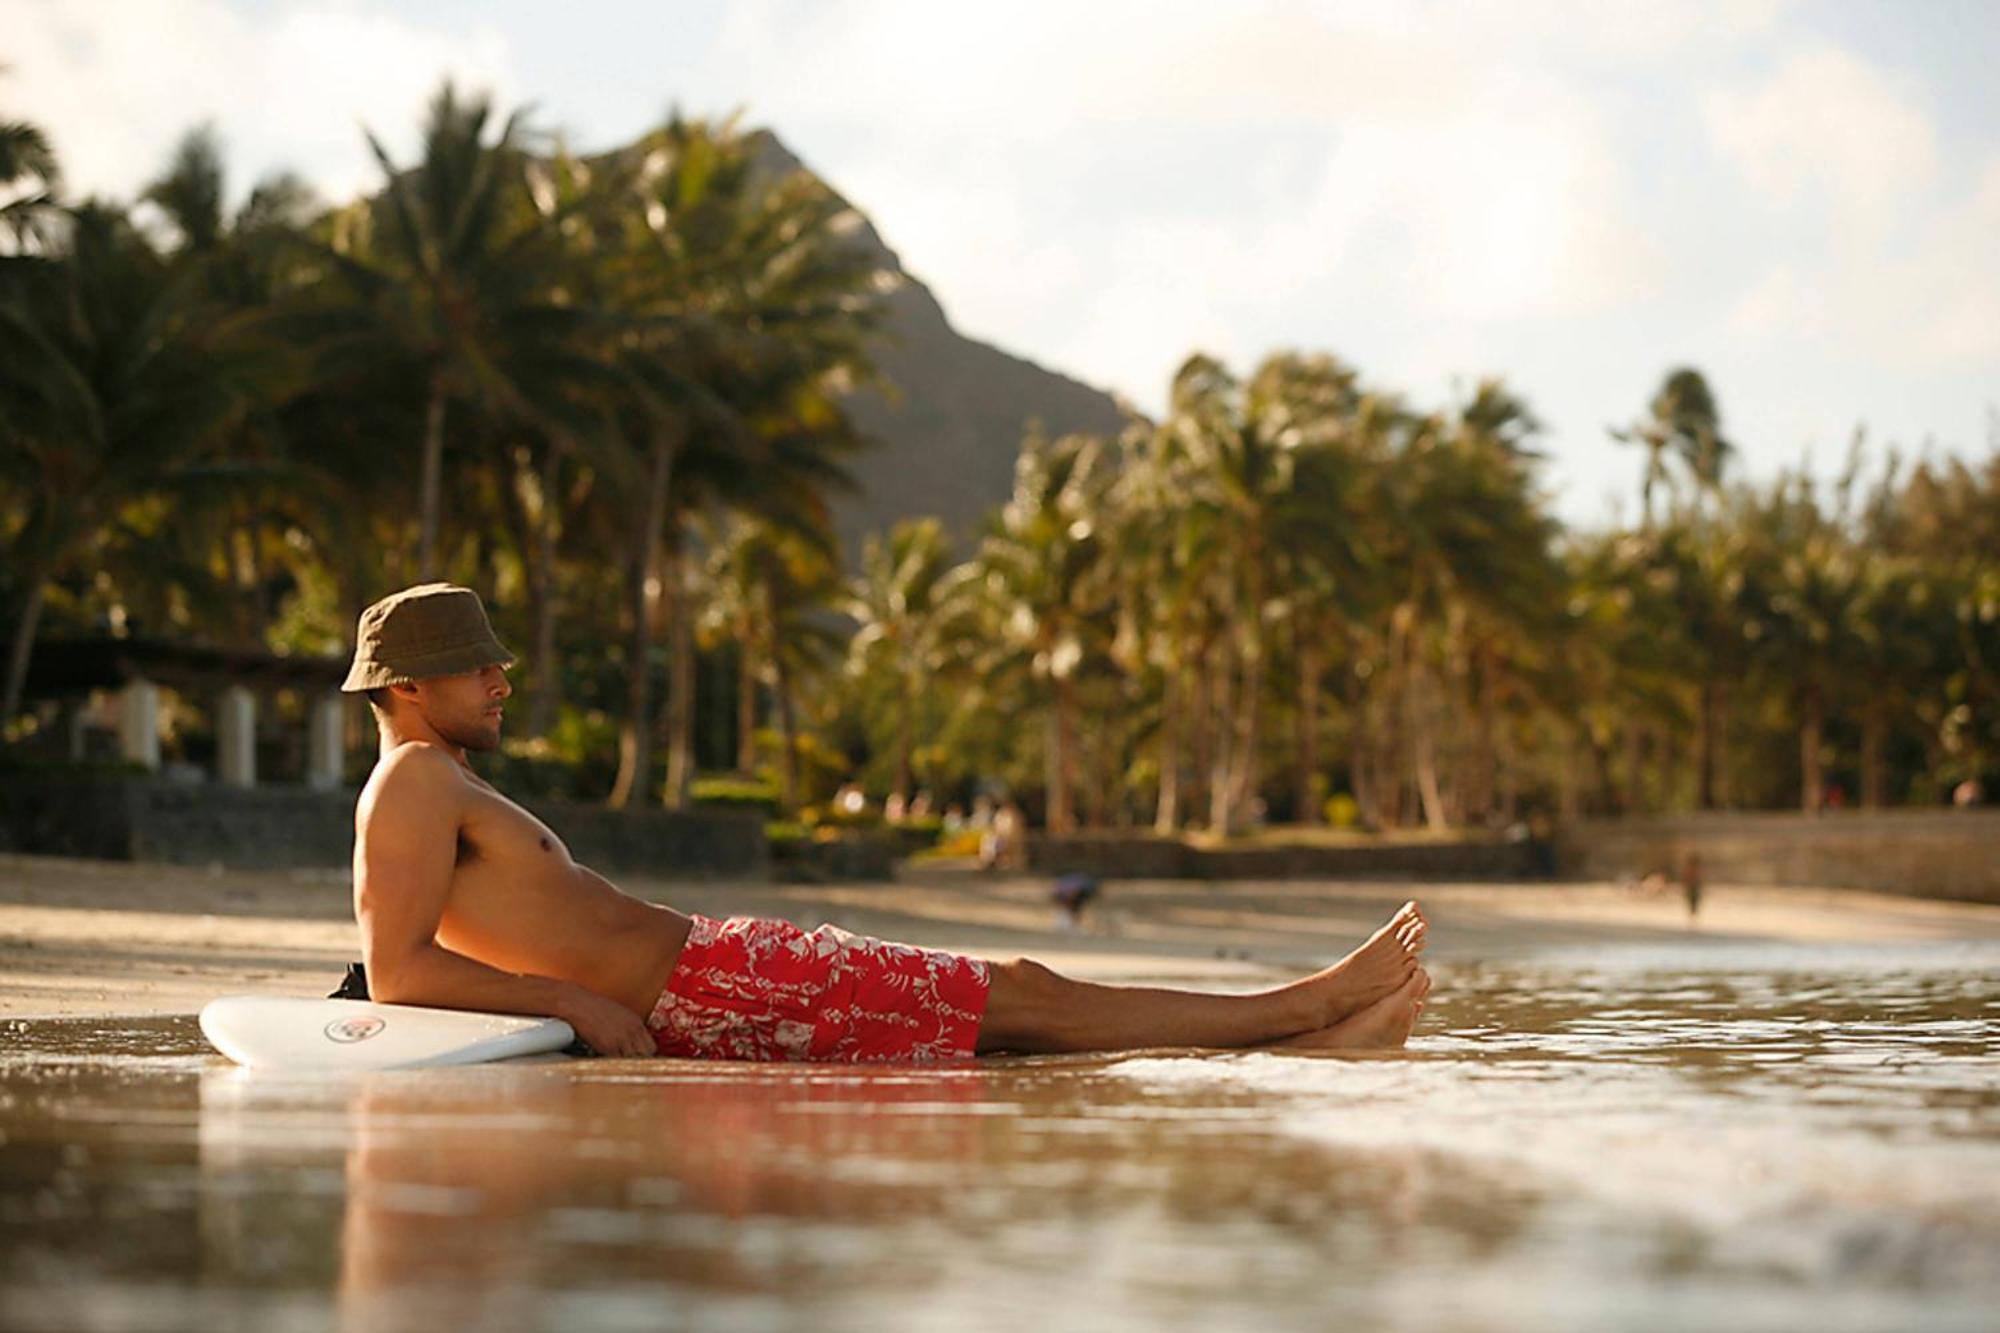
point(467, 901)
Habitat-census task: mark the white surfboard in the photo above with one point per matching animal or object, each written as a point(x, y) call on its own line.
point(277, 1032)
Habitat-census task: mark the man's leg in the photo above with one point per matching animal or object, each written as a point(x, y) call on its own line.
point(1032, 1009)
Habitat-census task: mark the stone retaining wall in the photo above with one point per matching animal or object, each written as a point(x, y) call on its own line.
point(1926, 853)
point(1164, 858)
point(856, 857)
point(145, 819)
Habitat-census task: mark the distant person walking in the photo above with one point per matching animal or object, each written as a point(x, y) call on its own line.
point(1691, 885)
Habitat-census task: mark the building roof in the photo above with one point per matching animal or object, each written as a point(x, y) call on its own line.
point(63, 667)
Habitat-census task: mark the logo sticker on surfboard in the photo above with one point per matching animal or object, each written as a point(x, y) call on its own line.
point(346, 1031)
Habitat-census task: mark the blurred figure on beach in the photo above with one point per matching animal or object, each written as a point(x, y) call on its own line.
point(1000, 846)
point(1691, 885)
point(1071, 895)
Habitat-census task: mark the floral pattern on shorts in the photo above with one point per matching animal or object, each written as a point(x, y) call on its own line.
point(749, 989)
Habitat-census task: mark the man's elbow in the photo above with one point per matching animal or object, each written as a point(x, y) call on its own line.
point(391, 974)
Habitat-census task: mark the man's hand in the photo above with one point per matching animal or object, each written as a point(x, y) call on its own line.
point(605, 1025)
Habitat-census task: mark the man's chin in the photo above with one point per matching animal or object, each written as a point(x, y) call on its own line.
point(479, 742)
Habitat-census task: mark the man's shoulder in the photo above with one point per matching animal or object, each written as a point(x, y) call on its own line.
point(413, 769)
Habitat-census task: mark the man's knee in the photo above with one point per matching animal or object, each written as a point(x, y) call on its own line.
point(1028, 999)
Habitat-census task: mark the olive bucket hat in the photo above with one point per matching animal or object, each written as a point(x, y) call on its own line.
point(433, 629)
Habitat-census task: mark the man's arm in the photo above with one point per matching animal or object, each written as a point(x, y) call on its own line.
point(405, 845)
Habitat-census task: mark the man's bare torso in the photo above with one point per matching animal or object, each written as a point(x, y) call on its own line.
point(518, 902)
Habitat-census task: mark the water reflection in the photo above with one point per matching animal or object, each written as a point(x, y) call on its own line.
point(1574, 1143)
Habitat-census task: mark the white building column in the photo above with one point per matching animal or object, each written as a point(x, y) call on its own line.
point(139, 724)
point(236, 738)
point(326, 733)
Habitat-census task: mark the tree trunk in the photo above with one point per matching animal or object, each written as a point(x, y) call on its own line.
point(1360, 745)
point(1243, 779)
point(1093, 763)
point(1482, 782)
point(635, 733)
point(1812, 774)
point(1166, 813)
point(788, 766)
point(1062, 818)
point(1874, 777)
point(1222, 714)
point(1306, 803)
point(680, 679)
point(1569, 794)
point(544, 538)
point(1424, 757)
point(1197, 694)
point(1635, 766)
point(22, 646)
point(1671, 759)
point(1423, 743)
point(431, 480)
point(906, 711)
point(1725, 790)
point(1705, 746)
point(746, 705)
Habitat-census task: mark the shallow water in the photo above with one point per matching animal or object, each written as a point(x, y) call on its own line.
point(1698, 1135)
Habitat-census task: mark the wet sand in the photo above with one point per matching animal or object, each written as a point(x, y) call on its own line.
point(81, 938)
point(1787, 1117)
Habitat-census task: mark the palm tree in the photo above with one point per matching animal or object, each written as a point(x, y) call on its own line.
point(1681, 422)
point(117, 378)
point(1328, 568)
point(30, 179)
point(782, 584)
point(1475, 552)
point(748, 312)
point(1244, 442)
point(1033, 599)
point(895, 602)
point(190, 192)
point(234, 543)
point(1164, 548)
point(453, 277)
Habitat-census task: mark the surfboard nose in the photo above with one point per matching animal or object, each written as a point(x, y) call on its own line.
point(286, 1033)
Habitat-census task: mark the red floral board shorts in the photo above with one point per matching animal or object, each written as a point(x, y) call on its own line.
point(747, 989)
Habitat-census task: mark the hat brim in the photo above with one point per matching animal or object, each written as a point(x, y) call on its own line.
point(374, 675)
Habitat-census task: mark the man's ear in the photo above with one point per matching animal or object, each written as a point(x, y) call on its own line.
point(406, 690)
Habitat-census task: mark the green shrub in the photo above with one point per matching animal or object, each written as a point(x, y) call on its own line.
point(735, 794)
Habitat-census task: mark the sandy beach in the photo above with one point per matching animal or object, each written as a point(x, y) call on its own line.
point(1781, 1117)
point(80, 938)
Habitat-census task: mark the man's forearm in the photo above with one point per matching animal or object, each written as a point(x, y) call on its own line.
point(437, 977)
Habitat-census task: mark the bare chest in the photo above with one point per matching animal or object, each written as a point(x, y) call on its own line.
point(498, 835)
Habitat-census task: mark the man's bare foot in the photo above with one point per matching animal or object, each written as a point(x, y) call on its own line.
point(1383, 1026)
point(1371, 971)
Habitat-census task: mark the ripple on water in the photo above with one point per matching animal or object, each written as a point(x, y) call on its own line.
point(1775, 1139)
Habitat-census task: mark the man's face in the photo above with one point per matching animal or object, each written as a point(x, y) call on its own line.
point(465, 709)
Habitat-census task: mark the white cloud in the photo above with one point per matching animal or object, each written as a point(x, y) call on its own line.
point(1828, 120)
point(1574, 194)
point(1893, 261)
point(116, 82)
point(1192, 173)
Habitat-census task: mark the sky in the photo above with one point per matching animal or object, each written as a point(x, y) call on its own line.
point(1801, 200)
